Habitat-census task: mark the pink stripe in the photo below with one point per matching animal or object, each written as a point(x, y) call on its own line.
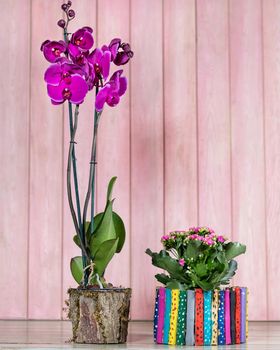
point(161, 308)
point(227, 317)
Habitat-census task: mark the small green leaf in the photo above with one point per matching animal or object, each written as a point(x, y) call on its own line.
point(162, 278)
point(201, 270)
point(165, 262)
point(234, 249)
point(104, 254)
point(110, 188)
point(202, 283)
point(173, 284)
point(194, 248)
point(232, 267)
point(76, 239)
point(76, 266)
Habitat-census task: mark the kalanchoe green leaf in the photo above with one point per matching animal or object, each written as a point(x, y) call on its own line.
point(194, 248)
point(163, 278)
point(164, 261)
point(230, 272)
point(233, 249)
point(173, 284)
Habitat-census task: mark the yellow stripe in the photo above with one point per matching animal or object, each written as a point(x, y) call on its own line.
point(215, 317)
point(174, 316)
point(247, 328)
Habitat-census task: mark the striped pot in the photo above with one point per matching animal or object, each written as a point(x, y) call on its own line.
point(197, 317)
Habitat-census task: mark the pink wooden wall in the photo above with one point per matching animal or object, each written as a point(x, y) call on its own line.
point(196, 140)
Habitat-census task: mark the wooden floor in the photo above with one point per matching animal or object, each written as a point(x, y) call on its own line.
point(56, 335)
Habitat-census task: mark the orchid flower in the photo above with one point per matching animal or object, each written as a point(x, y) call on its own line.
point(112, 91)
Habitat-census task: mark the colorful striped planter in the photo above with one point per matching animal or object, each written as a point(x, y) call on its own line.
point(197, 317)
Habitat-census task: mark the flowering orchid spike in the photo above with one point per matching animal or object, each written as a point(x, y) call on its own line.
point(112, 91)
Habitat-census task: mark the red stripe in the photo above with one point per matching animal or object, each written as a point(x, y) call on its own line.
point(199, 317)
point(237, 315)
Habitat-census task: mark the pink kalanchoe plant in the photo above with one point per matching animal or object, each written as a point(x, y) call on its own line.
point(196, 258)
point(77, 68)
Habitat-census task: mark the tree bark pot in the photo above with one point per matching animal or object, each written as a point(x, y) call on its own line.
point(99, 316)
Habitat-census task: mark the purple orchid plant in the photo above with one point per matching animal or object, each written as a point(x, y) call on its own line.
point(76, 69)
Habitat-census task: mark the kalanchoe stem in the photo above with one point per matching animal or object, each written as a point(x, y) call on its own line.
point(69, 190)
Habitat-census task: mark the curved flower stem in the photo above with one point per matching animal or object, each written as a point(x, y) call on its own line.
point(76, 185)
point(91, 181)
point(96, 120)
point(69, 190)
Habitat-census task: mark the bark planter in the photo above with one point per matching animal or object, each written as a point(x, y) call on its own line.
point(99, 316)
point(197, 317)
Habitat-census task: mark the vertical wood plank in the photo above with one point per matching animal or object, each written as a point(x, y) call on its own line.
point(45, 174)
point(271, 49)
point(85, 16)
point(248, 149)
point(146, 149)
point(180, 114)
point(114, 138)
point(213, 115)
point(14, 156)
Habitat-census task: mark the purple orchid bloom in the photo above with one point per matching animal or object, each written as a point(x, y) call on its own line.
point(53, 50)
point(66, 81)
point(80, 44)
point(73, 89)
point(121, 52)
point(112, 91)
point(57, 72)
point(100, 62)
point(83, 38)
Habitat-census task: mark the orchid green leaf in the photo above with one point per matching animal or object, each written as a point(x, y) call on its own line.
point(76, 266)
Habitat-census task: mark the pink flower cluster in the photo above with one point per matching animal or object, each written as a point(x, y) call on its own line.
point(201, 229)
point(203, 234)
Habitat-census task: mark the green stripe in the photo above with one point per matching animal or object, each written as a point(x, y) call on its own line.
point(181, 323)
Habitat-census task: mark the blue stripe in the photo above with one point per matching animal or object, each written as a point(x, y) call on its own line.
point(167, 315)
point(207, 317)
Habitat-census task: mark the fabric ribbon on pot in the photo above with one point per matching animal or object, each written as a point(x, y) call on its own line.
point(221, 318)
point(181, 323)
point(237, 315)
point(215, 305)
point(190, 317)
point(199, 317)
point(207, 317)
point(232, 316)
point(156, 315)
point(243, 315)
point(173, 316)
point(167, 315)
point(161, 309)
point(227, 317)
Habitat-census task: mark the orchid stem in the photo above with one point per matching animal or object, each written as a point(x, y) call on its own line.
point(71, 159)
point(91, 183)
point(96, 120)
point(76, 185)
